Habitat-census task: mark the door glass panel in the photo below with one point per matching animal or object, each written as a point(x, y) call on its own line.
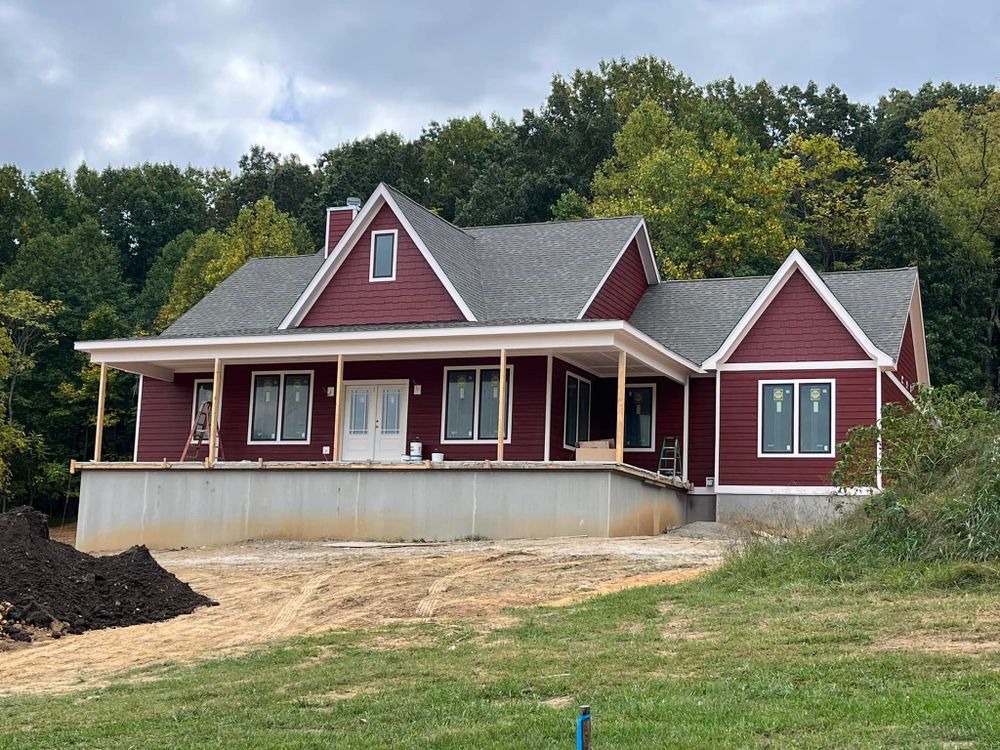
point(295, 407)
point(583, 431)
point(572, 407)
point(265, 407)
point(390, 411)
point(776, 410)
point(639, 417)
point(358, 424)
point(460, 404)
point(814, 418)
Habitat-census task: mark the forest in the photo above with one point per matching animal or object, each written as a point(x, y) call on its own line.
point(729, 176)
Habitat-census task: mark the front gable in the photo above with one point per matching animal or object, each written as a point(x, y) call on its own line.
point(414, 295)
point(796, 318)
point(797, 326)
point(617, 297)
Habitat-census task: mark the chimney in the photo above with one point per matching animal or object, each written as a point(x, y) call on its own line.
point(338, 221)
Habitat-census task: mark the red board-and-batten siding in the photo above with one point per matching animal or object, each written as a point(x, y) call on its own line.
point(415, 296)
point(166, 410)
point(622, 290)
point(797, 326)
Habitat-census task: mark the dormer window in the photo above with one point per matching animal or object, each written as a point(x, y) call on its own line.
point(383, 258)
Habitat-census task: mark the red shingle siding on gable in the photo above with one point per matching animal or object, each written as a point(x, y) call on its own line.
point(416, 296)
point(701, 430)
point(906, 365)
point(891, 394)
point(738, 440)
point(797, 326)
point(622, 290)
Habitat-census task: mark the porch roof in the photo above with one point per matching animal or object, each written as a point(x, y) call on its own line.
point(592, 344)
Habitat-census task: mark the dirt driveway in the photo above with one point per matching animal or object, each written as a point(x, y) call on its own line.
point(274, 590)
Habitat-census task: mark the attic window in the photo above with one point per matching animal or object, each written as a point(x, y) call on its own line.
point(383, 257)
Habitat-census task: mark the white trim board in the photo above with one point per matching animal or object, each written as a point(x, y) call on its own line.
point(898, 383)
point(138, 415)
point(751, 489)
point(335, 258)
point(843, 364)
point(794, 262)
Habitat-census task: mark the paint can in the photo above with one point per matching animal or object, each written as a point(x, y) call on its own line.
point(416, 449)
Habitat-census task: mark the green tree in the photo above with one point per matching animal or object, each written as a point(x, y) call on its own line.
point(18, 212)
point(712, 210)
point(452, 156)
point(826, 206)
point(955, 284)
point(160, 279)
point(259, 231)
point(25, 330)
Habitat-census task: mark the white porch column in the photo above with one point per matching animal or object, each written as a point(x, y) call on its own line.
point(620, 418)
point(338, 399)
point(213, 426)
point(502, 408)
point(102, 389)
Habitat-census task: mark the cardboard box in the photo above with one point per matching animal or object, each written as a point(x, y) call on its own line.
point(595, 454)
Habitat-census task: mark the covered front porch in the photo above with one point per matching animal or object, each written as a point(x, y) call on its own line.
point(401, 435)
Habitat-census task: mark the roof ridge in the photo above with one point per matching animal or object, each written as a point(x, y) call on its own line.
point(867, 270)
point(553, 221)
point(422, 207)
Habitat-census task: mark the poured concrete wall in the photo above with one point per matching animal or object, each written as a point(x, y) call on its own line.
point(791, 513)
point(190, 508)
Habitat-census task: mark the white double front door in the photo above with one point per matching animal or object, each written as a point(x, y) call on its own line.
point(374, 423)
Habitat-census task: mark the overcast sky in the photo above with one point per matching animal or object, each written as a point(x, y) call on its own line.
point(199, 82)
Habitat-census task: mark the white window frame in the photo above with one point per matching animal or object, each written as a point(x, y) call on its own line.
point(281, 405)
point(795, 383)
point(566, 407)
point(194, 405)
point(508, 424)
point(652, 418)
point(371, 255)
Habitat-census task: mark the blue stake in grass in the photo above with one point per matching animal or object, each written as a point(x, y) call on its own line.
point(583, 729)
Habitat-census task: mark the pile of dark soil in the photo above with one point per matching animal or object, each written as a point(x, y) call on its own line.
point(50, 587)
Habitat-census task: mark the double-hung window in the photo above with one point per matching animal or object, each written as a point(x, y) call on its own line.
point(577, 423)
point(280, 407)
point(796, 418)
point(202, 396)
point(472, 404)
point(640, 415)
point(382, 265)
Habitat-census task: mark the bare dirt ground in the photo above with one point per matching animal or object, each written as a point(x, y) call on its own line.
point(274, 590)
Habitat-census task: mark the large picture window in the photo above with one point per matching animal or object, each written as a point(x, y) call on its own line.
point(471, 404)
point(796, 418)
point(576, 426)
point(280, 407)
point(640, 411)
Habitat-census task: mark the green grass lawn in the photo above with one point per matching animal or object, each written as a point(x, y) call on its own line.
point(707, 664)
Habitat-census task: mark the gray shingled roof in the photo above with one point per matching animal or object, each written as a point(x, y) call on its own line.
point(547, 270)
point(254, 299)
point(694, 317)
point(544, 273)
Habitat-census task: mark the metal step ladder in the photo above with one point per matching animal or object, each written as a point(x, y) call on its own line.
point(200, 429)
point(669, 455)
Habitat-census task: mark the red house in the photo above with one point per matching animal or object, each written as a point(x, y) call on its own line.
point(629, 403)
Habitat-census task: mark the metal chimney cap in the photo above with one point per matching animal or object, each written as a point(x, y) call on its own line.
point(354, 202)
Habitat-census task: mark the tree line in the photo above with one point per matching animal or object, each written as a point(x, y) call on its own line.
point(729, 176)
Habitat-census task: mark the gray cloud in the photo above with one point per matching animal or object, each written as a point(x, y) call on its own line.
point(199, 82)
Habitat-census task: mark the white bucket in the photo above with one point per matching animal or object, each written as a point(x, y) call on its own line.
point(437, 458)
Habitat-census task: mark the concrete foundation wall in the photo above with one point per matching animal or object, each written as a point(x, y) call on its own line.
point(191, 508)
point(780, 512)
